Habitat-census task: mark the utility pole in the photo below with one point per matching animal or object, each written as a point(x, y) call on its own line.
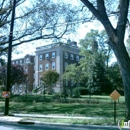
point(8, 83)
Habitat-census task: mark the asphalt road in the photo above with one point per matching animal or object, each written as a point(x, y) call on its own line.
point(15, 126)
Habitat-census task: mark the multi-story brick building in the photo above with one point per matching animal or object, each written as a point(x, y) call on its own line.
point(53, 56)
point(28, 64)
point(56, 57)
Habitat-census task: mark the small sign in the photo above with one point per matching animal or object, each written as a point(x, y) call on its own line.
point(115, 95)
point(5, 94)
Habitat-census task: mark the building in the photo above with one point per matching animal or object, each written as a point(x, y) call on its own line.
point(54, 56)
point(28, 64)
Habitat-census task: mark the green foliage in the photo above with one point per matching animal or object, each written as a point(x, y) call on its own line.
point(114, 76)
point(93, 70)
point(49, 78)
point(17, 75)
point(76, 92)
point(75, 73)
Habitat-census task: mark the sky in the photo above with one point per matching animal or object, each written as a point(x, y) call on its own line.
point(29, 48)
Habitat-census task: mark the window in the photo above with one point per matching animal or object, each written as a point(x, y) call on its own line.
point(26, 69)
point(17, 62)
point(40, 57)
point(66, 64)
point(66, 55)
point(71, 56)
point(77, 58)
point(53, 65)
point(40, 67)
point(27, 60)
point(47, 56)
point(53, 54)
point(13, 62)
point(21, 62)
point(20, 88)
point(46, 66)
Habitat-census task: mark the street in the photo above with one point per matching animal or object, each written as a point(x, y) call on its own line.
point(15, 126)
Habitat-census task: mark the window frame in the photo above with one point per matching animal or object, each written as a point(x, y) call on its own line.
point(54, 64)
point(66, 55)
point(77, 57)
point(47, 55)
point(40, 67)
point(40, 57)
point(72, 56)
point(53, 54)
point(46, 65)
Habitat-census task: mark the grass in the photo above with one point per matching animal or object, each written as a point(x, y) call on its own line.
point(103, 122)
point(98, 106)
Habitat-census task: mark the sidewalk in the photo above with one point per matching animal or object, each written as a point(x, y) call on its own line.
point(19, 117)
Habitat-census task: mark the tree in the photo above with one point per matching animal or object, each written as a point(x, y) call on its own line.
point(95, 63)
point(73, 72)
point(114, 76)
point(91, 70)
point(101, 10)
point(35, 20)
point(17, 75)
point(49, 78)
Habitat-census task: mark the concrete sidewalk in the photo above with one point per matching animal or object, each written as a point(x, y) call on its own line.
point(18, 118)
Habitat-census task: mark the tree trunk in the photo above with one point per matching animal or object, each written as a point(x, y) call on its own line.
point(124, 65)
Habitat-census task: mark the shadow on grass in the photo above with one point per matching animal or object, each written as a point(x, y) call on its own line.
point(75, 109)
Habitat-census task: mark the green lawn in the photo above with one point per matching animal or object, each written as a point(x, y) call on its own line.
point(97, 106)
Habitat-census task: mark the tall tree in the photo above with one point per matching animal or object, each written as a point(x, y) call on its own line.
point(101, 10)
point(96, 59)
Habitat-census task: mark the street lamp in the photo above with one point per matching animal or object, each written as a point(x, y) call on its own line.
point(9, 59)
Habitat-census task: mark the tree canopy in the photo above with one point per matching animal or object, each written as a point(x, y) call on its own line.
point(102, 9)
point(49, 78)
point(17, 75)
point(36, 20)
